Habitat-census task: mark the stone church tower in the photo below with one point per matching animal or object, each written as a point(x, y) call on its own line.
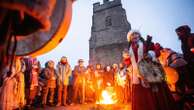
point(108, 33)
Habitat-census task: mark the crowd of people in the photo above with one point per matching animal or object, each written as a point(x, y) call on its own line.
point(147, 76)
point(59, 85)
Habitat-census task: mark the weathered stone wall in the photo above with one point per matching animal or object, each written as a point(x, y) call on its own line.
point(109, 31)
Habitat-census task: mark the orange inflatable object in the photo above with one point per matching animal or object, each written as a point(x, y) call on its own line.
point(59, 35)
point(52, 31)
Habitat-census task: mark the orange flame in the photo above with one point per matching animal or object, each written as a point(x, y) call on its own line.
point(108, 96)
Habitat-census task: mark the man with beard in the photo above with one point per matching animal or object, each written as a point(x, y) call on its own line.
point(63, 74)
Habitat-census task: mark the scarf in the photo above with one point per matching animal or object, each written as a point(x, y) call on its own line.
point(135, 76)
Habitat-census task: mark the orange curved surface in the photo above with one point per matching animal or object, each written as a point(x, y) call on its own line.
point(60, 34)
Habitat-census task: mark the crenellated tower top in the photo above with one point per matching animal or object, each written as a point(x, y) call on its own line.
point(106, 4)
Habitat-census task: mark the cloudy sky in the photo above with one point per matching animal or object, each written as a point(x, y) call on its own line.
point(158, 18)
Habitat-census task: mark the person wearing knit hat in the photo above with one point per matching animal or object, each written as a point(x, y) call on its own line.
point(187, 43)
point(183, 31)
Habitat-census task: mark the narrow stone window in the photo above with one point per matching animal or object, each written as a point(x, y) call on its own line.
point(108, 21)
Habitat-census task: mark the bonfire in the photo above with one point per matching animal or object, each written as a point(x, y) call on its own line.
point(108, 96)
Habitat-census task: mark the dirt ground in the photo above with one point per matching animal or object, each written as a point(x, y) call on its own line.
point(89, 107)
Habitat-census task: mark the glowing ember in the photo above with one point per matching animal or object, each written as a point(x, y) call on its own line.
point(108, 97)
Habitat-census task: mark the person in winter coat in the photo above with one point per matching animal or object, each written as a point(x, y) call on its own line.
point(50, 77)
point(79, 81)
point(63, 74)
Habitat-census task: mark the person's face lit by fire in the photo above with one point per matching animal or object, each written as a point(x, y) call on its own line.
point(35, 64)
point(81, 63)
point(51, 64)
point(108, 68)
point(115, 67)
point(90, 68)
point(98, 66)
point(125, 55)
point(64, 60)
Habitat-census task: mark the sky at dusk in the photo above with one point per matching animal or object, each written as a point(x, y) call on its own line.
point(158, 18)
